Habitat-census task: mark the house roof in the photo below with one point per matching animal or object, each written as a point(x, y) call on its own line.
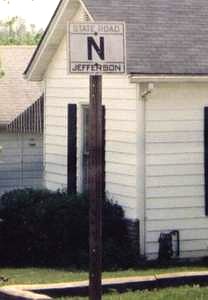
point(163, 36)
point(16, 93)
point(30, 120)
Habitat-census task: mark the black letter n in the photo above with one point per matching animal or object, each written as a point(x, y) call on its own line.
point(91, 43)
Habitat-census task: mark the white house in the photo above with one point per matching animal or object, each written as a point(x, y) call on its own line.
point(155, 162)
point(21, 145)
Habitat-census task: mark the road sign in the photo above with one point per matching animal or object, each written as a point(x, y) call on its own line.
point(97, 48)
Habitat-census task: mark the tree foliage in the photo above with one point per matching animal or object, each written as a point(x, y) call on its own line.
point(1, 70)
point(8, 1)
point(15, 31)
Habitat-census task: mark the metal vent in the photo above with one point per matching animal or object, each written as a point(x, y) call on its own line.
point(84, 16)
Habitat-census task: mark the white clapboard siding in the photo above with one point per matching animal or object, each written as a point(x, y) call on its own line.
point(117, 94)
point(174, 148)
point(121, 189)
point(55, 158)
point(50, 167)
point(185, 235)
point(56, 140)
point(174, 184)
point(176, 224)
point(176, 169)
point(114, 157)
point(175, 137)
point(179, 213)
point(121, 178)
point(51, 185)
point(120, 147)
point(173, 191)
point(121, 125)
point(58, 178)
point(120, 136)
point(21, 161)
point(119, 98)
point(56, 111)
point(185, 246)
point(56, 130)
point(188, 91)
point(74, 93)
point(60, 149)
point(158, 126)
point(121, 115)
point(178, 202)
point(172, 159)
point(122, 104)
point(126, 201)
point(59, 121)
point(78, 80)
point(180, 180)
point(117, 168)
point(173, 114)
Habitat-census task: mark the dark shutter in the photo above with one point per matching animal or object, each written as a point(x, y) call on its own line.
point(206, 158)
point(72, 149)
point(103, 145)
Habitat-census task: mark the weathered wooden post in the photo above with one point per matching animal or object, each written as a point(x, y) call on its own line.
point(96, 48)
point(95, 186)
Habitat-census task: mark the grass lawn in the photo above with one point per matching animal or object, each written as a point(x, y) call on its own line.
point(180, 293)
point(43, 275)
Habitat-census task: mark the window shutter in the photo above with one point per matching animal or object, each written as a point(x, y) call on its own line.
point(103, 138)
point(206, 158)
point(72, 149)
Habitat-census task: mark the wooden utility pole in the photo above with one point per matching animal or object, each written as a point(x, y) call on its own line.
point(100, 48)
point(95, 186)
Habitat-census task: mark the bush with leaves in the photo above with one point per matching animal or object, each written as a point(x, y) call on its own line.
point(44, 228)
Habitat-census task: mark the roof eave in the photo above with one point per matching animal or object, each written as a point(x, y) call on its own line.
point(84, 6)
point(50, 40)
point(144, 78)
point(31, 120)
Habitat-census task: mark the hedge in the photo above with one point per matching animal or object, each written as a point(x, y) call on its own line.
point(45, 228)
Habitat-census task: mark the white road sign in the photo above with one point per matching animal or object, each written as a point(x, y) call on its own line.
point(97, 48)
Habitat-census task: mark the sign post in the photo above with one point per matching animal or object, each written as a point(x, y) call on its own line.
point(95, 49)
point(95, 186)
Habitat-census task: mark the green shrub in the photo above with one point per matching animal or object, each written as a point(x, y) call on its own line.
point(44, 228)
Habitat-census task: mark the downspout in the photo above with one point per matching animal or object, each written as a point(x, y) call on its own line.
point(143, 90)
point(140, 169)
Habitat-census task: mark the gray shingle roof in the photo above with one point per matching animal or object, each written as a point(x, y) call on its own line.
point(16, 93)
point(163, 36)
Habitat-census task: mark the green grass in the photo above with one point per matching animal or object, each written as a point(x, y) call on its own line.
point(43, 275)
point(39, 275)
point(180, 293)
